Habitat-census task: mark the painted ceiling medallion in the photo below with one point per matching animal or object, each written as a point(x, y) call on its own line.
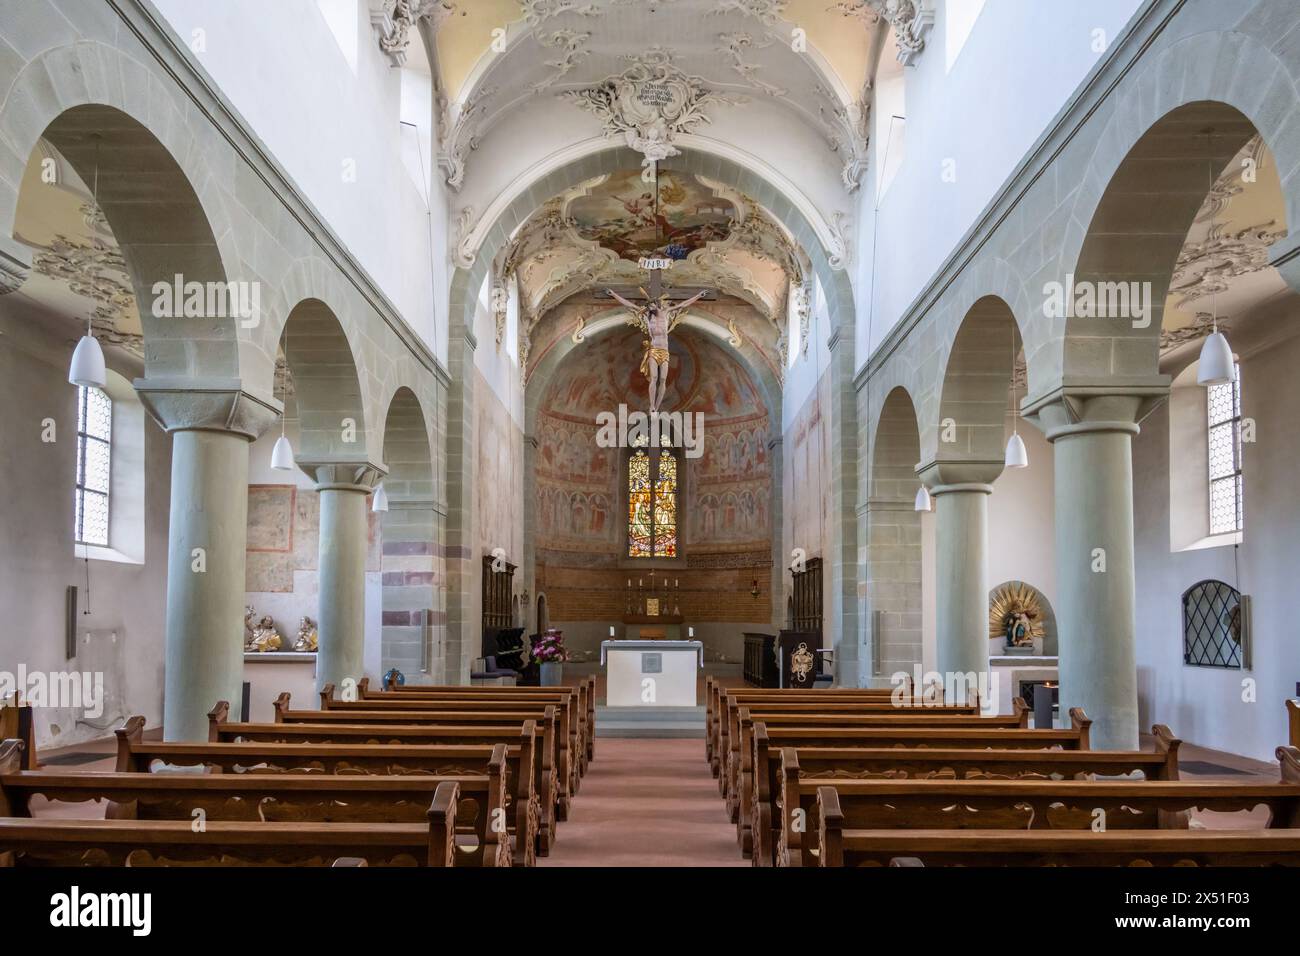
point(649, 104)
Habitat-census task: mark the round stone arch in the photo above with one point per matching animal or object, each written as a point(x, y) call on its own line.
point(828, 264)
point(412, 622)
point(974, 379)
point(328, 386)
point(1155, 134)
point(147, 142)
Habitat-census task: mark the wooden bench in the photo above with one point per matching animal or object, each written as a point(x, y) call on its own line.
point(565, 700)
point(291, 799)
point(586, 691)
point(454, 714)
point(16, 724)
point(720, 699)
point(51, 842)
point(737, 781)
point(1054, 847)
point(135, 755)
point(788, 778)
point(862, 733)
point(500, 713)
point(547, 779)
point(849, 816)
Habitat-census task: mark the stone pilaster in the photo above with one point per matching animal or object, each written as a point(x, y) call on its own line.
point(344, 489)
point(211, 424)
point(1092, 431)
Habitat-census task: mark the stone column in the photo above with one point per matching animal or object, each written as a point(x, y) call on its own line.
point(961, 492)
point(344, 489)
point(211, 429)
point(892, 585)
point(1092, 437)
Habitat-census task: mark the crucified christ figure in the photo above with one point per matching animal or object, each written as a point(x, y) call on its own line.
point(656, 318)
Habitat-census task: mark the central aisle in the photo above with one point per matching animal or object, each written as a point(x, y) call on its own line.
point(647, 802)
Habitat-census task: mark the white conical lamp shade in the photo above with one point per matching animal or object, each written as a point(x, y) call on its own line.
point(380, 502)
point(922, 499)
point(1216, 366)
point(88, 364)
point(282, 455)
point(1017, 456)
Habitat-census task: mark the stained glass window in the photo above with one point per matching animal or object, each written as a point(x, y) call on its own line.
point(1223, 413)
point(652, 504)
point(94, 454)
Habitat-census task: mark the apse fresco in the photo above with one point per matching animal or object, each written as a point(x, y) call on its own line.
point(719, 502)
point(622, 216)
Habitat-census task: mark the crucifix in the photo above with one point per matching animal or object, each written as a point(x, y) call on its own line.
point(656, 318)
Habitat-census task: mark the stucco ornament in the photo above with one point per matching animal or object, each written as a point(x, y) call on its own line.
point(649, 104)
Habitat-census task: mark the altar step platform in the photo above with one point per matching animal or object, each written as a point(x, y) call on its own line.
point(649, 721)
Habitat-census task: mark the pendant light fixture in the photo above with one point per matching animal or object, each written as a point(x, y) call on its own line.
point(87, 367)
point(922, 499)
point(1017, 456)
point(282, 453)
point(1216, 366)
point(380, 502)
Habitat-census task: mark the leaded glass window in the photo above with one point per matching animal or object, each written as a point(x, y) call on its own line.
point(94, 465)
point(1212, 625)
point(652, 504)
point(1223, 410)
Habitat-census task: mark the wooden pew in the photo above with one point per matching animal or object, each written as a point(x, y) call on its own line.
point(1054, 847)
point(135, 755)
point(851, 815)
point(739, 775)
point(720, 698)
point(892, 732)
point(55, 842)
point(586, 690)
point(1293, 713)
point(547, 779)
point(788, 778)
point(568, 700)
point(453, 712)
point(16, 724)
point(293, 799)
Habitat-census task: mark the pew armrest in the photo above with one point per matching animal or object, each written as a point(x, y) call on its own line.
point(131, 734)
point(1288, 759)
point(1167, 744)
point(281, 706)
point(830, 827)
point(442, 824)
point(1081, 722)
point(217, 715)
point(326, 696)
point(1020, 710)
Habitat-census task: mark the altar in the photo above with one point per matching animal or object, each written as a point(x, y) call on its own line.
point(657, 673)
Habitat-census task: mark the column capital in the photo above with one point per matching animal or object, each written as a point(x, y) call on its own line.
point(359, 475)
point(220, 405)
point(1084, 409)
point(944, 477)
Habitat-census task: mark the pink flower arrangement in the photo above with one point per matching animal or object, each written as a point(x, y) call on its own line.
point(549, 647)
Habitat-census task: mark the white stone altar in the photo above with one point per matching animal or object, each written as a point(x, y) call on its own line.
point(651, 673)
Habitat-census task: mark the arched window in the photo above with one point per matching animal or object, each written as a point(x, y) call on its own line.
point(1223, 418)
point(652, 477)
point(94, 465)
point(1213, 625)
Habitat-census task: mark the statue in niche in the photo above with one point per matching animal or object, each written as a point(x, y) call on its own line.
point(1016, 616)
point(657, 319)
point(307, 639)
point(265, 637)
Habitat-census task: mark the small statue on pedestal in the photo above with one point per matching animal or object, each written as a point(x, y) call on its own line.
point(307, 639)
